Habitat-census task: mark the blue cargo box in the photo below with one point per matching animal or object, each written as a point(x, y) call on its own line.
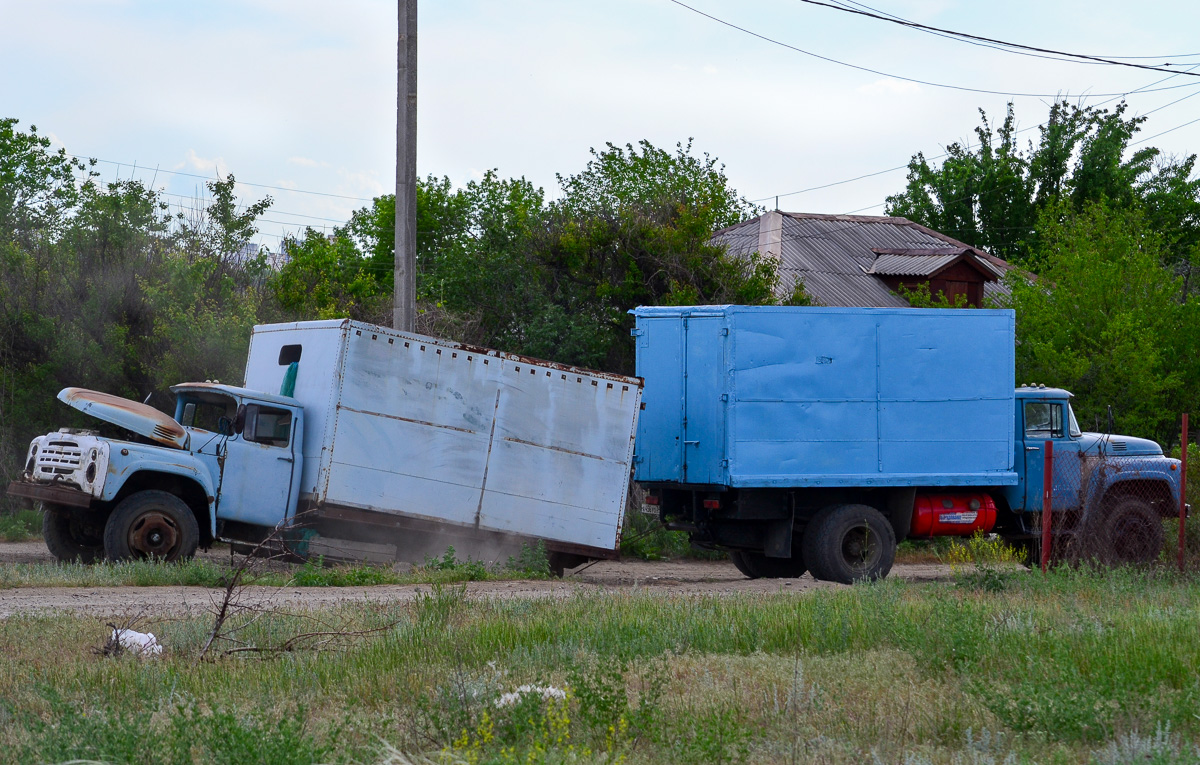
point(744, 397)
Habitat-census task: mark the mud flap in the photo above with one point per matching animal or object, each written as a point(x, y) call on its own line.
point(777, 539)
point(900, 510)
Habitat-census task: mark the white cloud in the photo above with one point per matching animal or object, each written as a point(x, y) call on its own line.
point(306, 162)
point(196, 162)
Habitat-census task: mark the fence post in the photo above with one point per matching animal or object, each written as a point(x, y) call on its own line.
point(1183, 488)
point(1047, 493)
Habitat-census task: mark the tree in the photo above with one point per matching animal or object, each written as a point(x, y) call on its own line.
point(995, 195)
point(100, 287)
point(327, 276)
point(498, 265)
point(38, 188)
point(1105, 320)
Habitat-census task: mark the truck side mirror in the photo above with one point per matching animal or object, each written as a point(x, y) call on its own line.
point(239, 419)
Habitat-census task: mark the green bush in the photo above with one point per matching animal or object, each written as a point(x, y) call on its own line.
point(21, 526)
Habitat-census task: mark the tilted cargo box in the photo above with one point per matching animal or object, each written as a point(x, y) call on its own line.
point(414, 432)
point(790, 397)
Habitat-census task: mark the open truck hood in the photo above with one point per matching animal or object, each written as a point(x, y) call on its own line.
point(138, 418)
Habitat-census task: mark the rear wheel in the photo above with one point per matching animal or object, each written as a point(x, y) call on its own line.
point(849, 543)
point(151, 524)
point(759, 566)
point(73, 535)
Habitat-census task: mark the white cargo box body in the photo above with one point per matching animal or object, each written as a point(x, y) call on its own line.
point(411, 426)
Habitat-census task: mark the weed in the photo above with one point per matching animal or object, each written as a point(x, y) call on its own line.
point(314, 573)
point(983, 562)
point(20, 526)
point(449, 568)
point(1163, 748)
point(646, 538)
point(531, 562)
point(76, 732)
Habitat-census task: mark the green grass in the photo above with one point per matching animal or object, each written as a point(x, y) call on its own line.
point(1073, 667)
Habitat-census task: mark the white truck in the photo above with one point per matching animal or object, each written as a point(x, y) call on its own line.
point(379, 444)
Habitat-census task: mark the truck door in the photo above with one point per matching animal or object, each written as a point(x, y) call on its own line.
point(703, 410)
point(261, 475)
point(1046, 420)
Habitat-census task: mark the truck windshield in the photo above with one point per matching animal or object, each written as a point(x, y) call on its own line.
point(209, 411)
point(1072, 423)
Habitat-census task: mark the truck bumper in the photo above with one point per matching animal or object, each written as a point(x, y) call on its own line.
point(50, 494)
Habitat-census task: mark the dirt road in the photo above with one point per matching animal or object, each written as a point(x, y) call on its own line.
point(660, 578)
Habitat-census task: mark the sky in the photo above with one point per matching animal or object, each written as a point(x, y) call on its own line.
point(300, 95)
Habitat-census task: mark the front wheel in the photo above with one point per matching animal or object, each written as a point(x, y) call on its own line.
point(151, 524)
point(759, 566)
point(73, 535)
point(849, 543)
point(1129, 532)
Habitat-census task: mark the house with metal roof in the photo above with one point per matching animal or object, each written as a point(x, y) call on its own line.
point(864, 260)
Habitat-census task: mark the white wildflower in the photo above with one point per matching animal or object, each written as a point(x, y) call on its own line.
point(547, 692)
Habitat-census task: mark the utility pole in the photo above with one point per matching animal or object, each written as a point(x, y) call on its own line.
point(404, 311)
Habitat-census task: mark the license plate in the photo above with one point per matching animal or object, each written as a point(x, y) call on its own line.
point(649, 509)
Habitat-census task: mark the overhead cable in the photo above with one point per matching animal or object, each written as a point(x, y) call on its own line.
point(930, 83)
point(964, 35)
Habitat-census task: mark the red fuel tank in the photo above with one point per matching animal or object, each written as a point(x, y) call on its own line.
point(941, 515)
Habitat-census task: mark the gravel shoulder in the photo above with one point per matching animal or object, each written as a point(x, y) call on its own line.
point(665, 578)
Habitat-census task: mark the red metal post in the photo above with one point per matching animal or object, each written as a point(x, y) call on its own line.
point(1183, 488)
point(1047, 493)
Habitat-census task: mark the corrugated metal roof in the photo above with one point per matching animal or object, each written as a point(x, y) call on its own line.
point(832, 255)
point(912, 265)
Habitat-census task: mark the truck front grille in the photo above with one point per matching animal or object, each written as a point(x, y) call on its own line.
point(58, 458)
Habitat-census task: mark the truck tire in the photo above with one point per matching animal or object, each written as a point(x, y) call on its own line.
point(758, 566)
point(69, 537)
point(151, 524)
point(849, 543)
point(1128, 532)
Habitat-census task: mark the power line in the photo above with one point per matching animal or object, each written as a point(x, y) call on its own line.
point(240, 183)
point(969, 42)
point(930, 83)
point(1007, 50)
point(1149, 88)
point(1172, 130)
point(273, 210)
point(1018, 46)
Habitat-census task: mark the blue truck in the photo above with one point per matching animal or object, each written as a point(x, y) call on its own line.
point(812, 439)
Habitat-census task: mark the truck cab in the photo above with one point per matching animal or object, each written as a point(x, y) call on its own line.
point(227, 461)
point(1109, 492)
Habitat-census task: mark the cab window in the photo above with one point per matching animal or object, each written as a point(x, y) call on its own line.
point(210, 411)
point(1043, 420)
point(267, 425)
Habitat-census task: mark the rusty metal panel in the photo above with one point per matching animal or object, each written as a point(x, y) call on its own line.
point(131, 415)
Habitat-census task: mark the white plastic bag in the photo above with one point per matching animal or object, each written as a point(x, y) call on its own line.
point(138, 643)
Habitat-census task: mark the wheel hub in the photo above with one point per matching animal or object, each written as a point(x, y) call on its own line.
point(154, 534)
point(860, 548)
